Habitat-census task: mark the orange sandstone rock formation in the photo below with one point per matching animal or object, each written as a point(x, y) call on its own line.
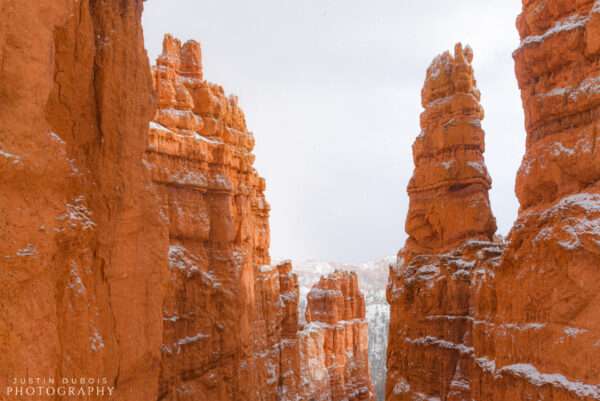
point(449, 189)
point(479, 322)
point(336, 318)
point(230, 320)
point(80, 268)
point(451, 253)
point(549, 276)
point(231, 327)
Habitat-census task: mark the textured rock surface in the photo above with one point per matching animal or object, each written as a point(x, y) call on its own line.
point(451, 254)
point(449, 189)
point(336, 312)
point(143, 237)
point(231, 329)
point(230, 320)
point(517, 320)
point(549, 276)
point(80, 268)
point(372, 278)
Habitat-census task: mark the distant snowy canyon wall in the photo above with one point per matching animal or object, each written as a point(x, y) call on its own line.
point(372, 278)
point(476, 317)
point(134, 228)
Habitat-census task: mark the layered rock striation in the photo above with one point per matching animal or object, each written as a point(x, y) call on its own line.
point(231, 320)
point(515, 320)
point(335, 316)
point(549, 276)
point(448, 192)
point(451, 253)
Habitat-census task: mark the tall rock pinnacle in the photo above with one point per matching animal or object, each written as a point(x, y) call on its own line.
point(512, 320)
point(449, 189)
point(446, 268)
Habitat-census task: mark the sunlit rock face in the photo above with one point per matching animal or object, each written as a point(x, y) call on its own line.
point(516, 320)
point(336, 311)
point(80, 260)
point(231, 320)
point(228, 317)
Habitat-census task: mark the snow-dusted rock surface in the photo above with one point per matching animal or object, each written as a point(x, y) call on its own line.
point(372, 281)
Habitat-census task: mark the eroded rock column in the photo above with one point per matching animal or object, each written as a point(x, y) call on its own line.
point(448, 263)
point(448, 192)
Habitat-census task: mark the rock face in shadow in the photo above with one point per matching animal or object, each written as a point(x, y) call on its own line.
point(81, 268)
point(516, 320)
point(335, 316)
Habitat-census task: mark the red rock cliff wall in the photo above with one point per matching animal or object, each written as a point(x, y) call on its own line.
point(519, 323)
point(231, 327)
point(549, 278)
point(80, 266)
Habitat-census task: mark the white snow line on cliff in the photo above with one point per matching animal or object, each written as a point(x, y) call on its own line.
point(568, 24)
point(192, 339)
point(589, 86)
point(10, 156)
point(448, 317)
point(531, 374)
point(96, 341)
point(29, 250)
point(535, 377)
point(56, 138)
point(323, 293)
point(437, 342)
point(75, 282)
point(159, 127)
point(78, 213)
point(587, 202)
point(425, 397)
point(477, 166)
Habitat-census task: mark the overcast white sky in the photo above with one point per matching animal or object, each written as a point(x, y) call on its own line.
point(331, 90)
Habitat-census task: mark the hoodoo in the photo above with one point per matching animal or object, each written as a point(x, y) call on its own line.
point(451, 251)
point(489, 321)
point(449, 189)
